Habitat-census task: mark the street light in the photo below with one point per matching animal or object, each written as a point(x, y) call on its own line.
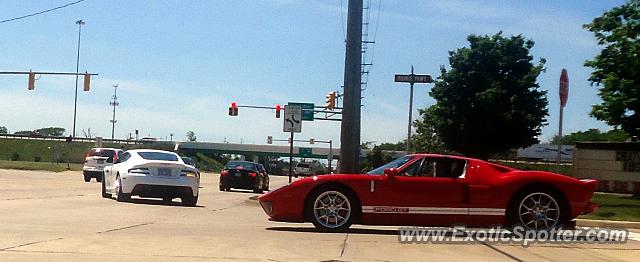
point(75, 100)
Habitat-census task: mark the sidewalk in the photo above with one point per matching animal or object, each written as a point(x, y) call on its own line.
point(607, 223)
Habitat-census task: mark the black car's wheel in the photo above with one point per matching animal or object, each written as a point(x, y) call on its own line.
point(189, 200)
point(121, 197)
point(167, 199)
point(222, 187)
point(87, 177)
point(331, 209)
point(538, 210)
point(99, 178)
point(104, 188)
point(257, 188)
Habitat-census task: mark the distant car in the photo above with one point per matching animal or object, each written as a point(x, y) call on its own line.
point(244, 175)
point(96, 160)
point(151, 173)
point(303, 169)
point(434, 190)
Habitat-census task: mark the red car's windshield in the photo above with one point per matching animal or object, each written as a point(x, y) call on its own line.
point(393, 164)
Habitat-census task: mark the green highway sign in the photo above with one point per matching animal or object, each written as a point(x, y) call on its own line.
point(305, 152)
point(307, 110)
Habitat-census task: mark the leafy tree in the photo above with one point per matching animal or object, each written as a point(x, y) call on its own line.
point(593, 134)
point(191, 136)
point(50, 131)
point(617, 67)
point(426, 139)
point(375, 158)
point(489, 101)
point(3, 130)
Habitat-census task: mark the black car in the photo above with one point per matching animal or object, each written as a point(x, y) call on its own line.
point(244, 175)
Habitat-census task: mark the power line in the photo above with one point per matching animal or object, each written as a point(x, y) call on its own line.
point(41, 12)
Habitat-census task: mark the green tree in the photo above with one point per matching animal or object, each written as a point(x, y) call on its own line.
point(426, 138)
point(592, 134)
point(617, 67)
point(50, 131)
point(191, 136)
point(3, 130)
point(489, 101)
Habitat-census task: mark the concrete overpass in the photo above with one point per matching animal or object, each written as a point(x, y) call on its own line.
point(263, 150)
point(251, 149)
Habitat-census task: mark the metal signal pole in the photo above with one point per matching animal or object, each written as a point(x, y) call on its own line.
point(350, 128)
point(75, 100)
point(114, 103)
point(564, 95)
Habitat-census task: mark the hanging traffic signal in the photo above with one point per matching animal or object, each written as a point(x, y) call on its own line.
point(278, 108)
point(330, 100)
point(233, 109)
point(269, 140)
point(32, 81)
point(87, 82)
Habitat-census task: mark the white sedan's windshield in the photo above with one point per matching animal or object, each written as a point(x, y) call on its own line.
point(393, 164)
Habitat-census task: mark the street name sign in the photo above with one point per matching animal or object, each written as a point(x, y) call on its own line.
point(414, 78)
point(307, 110)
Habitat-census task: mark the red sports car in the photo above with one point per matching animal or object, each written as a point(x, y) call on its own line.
point(433, 190)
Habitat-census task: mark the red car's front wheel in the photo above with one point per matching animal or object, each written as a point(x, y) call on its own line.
point(331, 210)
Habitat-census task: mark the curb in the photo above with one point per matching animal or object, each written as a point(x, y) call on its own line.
point(607, 223)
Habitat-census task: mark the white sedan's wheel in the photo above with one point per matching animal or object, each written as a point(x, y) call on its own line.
point(332, 210)
point(539, 211)
point(120, 197)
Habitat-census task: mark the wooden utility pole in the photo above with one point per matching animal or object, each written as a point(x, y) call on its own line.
point(350, 128)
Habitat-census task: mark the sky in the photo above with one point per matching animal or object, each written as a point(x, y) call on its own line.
point(179, 64)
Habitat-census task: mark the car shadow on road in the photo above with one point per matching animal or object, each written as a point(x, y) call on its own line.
point(246, 191)
point(357, 231)
point(158, 202)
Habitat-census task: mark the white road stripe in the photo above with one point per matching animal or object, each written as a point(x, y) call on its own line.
point(634, 236)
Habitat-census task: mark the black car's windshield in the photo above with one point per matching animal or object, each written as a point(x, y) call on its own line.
point(240, 165)
point(393, 164)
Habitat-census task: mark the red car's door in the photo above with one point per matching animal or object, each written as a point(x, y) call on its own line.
point(429, 191)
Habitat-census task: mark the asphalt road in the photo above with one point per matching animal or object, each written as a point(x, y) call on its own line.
point(56, 216)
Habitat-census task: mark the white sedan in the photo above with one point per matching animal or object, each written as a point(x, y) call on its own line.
point(151, 173)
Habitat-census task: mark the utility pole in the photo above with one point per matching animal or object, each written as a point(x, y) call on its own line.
point(114, 103)
point(350, 128)
point(75, 100)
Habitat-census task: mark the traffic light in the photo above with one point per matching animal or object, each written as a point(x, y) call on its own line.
point(269, 140)
point(87, 82)
point(278, 108)
point(32, 81)
point(330, 100)
point(233, 109)
point(312, 140)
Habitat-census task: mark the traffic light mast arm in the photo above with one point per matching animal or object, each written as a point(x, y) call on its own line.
point(47, 73)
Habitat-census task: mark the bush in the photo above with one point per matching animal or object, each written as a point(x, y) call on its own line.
point(37, 158)
point(15, 156)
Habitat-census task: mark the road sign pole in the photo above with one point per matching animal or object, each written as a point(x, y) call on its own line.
point(330, 155)
point(291, 157)
point(410, 116)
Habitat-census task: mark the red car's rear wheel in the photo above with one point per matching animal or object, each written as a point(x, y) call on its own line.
point(539, 211)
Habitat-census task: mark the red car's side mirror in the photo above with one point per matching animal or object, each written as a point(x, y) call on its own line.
point(391, 171)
